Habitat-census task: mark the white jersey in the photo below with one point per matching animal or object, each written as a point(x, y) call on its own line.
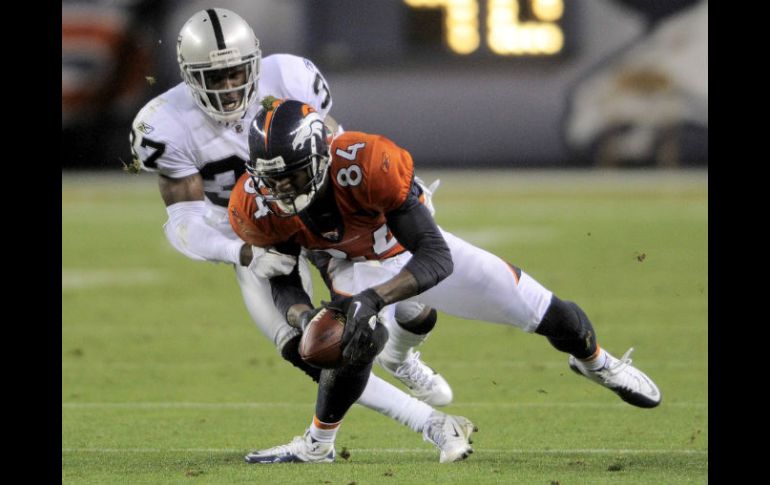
point(173, 136)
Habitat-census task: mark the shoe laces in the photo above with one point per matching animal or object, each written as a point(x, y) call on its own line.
point(621, 363)
point(434, 430)
point(415, 371)
point(617, 373)
point(291, 448)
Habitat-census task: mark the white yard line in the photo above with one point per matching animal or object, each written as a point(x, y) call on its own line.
point(593, 451)
point(75, 279)
point(256, 405)
point(437, 362)
point(490, 236)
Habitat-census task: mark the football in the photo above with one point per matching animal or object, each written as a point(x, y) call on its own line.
point(321, 343)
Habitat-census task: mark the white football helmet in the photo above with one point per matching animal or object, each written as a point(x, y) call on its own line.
point(213, 40)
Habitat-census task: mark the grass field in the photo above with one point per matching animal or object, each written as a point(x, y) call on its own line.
point(165, 380)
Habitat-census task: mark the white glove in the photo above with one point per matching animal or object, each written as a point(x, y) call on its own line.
point(267, 263)
point(428, 191)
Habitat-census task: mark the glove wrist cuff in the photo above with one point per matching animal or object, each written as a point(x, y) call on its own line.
point(374, 297)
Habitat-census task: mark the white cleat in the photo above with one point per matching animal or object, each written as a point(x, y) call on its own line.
point(423, 382)
point(302, 449)
point(632, 385)
point(451, 435)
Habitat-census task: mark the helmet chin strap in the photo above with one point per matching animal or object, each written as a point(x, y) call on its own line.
point(300, 202)
point(303, 200)
point(297, 204)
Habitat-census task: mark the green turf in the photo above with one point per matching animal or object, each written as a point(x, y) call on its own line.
point(165, 380)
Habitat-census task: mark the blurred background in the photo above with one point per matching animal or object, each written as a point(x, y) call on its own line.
point(459, 83)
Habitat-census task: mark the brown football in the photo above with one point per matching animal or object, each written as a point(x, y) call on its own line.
point(321, 343)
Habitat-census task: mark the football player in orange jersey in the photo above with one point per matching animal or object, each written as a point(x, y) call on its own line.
point(357, 201)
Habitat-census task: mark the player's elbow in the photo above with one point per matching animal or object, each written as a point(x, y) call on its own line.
point(430, 267)
point(444, 265)
point(447, 266)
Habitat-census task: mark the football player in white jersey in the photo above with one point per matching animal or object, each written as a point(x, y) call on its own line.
point(195, 137)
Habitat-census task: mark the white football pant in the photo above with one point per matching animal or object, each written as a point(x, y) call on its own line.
point(481, 287)
point(378, 395)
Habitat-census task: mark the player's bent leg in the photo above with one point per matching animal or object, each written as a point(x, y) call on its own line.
point(380, 396)
point(435, 426)
point(425, 383)
point(411, 327)
point(385, 398)
point(568, 329)
point(416, 317)
point(257, 296)
point(290, 353)
point(484, 287)
point(338, 389)
point(450, 434)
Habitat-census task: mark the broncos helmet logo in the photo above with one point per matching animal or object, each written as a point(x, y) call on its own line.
point(310, 127)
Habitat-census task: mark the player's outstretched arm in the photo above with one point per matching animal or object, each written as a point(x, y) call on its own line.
point(186, 228)
point(289, 296)
point(184, 189)
point(188, 232)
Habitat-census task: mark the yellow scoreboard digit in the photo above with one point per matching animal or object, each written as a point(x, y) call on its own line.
point(506, 33)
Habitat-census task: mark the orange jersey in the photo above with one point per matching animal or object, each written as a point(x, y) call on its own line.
point(369, 175)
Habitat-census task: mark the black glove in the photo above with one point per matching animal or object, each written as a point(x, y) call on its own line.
point(364, 336)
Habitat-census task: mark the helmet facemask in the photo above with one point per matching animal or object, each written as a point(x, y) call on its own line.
point(213, 99)
point(306, 178)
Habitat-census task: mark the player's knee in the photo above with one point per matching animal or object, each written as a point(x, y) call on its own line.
point(568, 328)
point(290, 352)
point(422, 323)
point(362, 350)
point(560, 320)
point(379, 338)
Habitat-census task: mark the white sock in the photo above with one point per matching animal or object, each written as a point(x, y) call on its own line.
point(596, 361)
point(324, 432)
point(399, 343)
point(387, 399)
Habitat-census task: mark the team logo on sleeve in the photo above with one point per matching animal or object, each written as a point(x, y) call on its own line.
point(145, 128)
